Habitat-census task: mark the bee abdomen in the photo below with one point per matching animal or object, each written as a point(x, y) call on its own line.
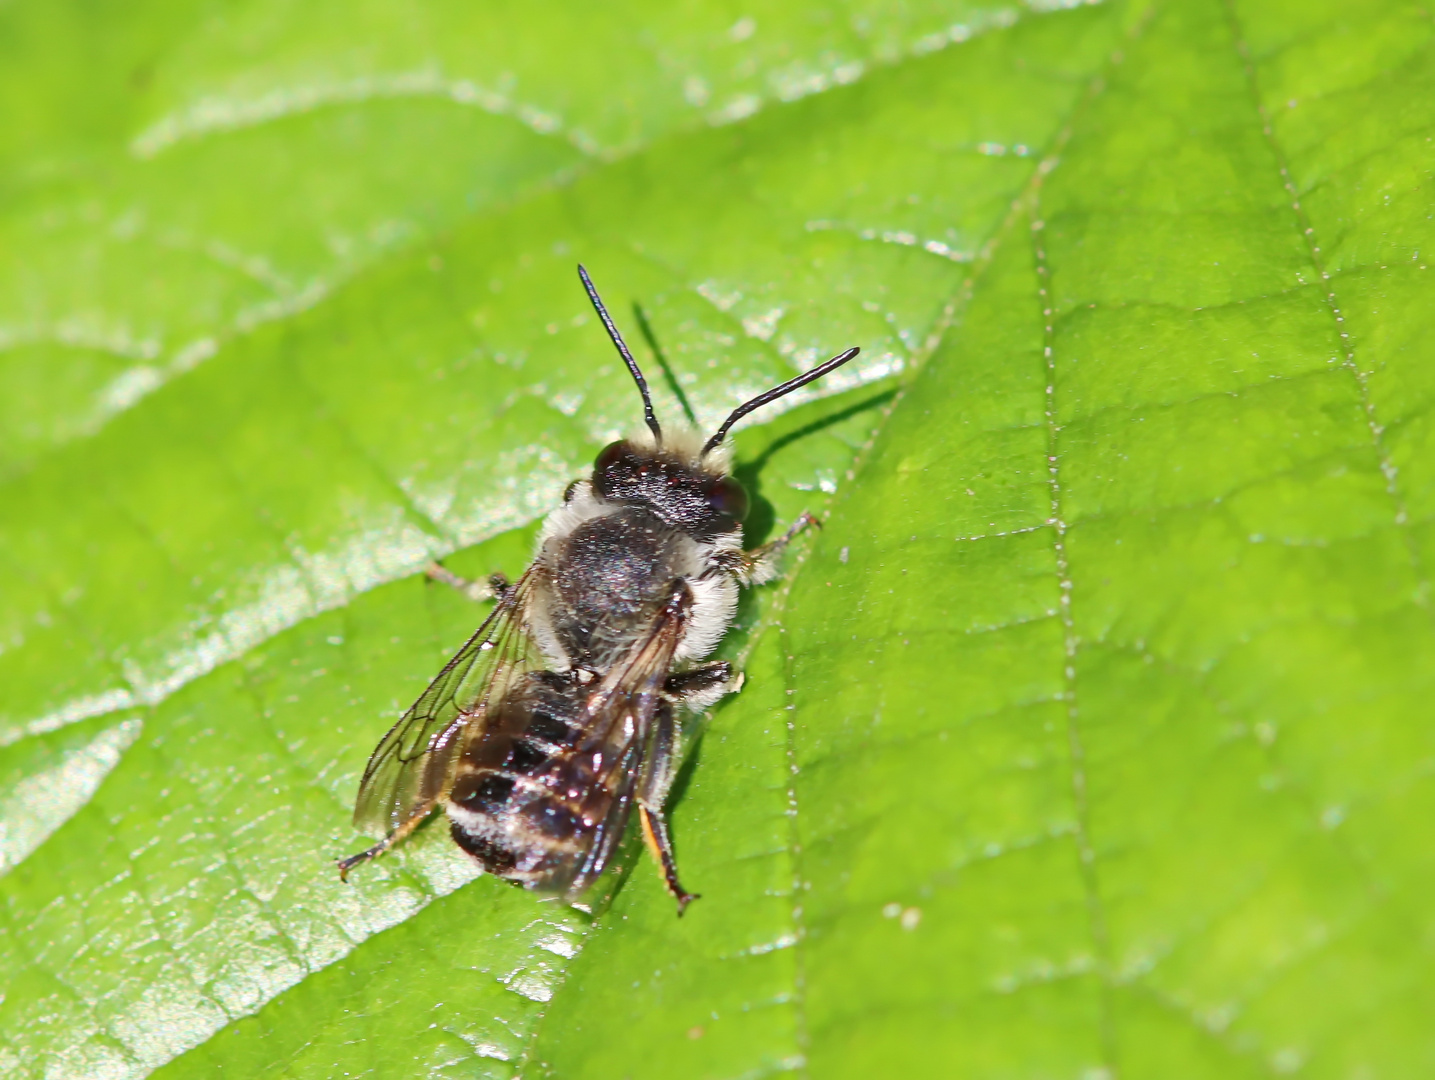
point(492, 855)
point(523, 802)
point(523, 827)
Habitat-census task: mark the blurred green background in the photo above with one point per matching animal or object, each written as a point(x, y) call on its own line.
point(1090, 739)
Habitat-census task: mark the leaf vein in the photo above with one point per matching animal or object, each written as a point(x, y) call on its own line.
point(1347, 346)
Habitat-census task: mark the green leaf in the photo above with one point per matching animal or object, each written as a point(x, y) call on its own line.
point(1089, 736)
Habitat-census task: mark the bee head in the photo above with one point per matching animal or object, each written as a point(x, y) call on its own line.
point(679, 487)
point(684, 483)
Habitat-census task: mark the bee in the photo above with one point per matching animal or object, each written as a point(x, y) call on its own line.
point(564, 710)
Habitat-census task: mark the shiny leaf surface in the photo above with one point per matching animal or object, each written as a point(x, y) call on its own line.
point(1086, 739)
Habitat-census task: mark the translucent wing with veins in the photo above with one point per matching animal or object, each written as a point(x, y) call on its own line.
point(411, 769)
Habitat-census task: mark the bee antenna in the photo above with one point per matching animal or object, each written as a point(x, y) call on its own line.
point(775, 393)
point(648, 417)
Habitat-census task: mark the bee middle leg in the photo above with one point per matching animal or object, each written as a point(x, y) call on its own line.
point(699, 687)
point(491, 589)
point(657, 780)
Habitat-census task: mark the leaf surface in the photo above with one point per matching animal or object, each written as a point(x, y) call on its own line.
point(1086, 738)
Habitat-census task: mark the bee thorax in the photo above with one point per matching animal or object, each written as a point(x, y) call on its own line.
point(612, 574)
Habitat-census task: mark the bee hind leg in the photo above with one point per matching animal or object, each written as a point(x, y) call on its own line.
point(655, 834)
point(657, 780)
point(398, 836)
point(345, 865)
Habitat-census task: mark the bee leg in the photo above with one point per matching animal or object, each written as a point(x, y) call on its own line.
point(761, 563)
point(701, 686)
point(652, 793)
point(398, 836)
point(655, 833)
point(492, 589)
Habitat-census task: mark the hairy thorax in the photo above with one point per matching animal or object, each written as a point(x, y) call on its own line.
point(619, 569)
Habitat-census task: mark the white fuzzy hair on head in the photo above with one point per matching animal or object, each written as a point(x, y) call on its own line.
point(686, 444)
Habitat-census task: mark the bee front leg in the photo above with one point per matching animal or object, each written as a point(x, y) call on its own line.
point(762, 563)
point(662, 767)
point(492, 589)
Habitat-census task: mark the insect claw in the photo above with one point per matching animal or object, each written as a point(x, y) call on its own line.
point(345, 865)
point(684, 899)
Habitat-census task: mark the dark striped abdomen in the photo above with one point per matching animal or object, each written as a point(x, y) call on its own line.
point(529, 801)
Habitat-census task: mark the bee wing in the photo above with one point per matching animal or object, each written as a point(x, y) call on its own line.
point(621, 712)
point(413, 763)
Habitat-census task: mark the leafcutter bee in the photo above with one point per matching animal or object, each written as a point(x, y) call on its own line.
point(564, 710)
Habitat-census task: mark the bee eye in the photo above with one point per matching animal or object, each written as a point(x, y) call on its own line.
point(727, 498)
point(611, 455)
